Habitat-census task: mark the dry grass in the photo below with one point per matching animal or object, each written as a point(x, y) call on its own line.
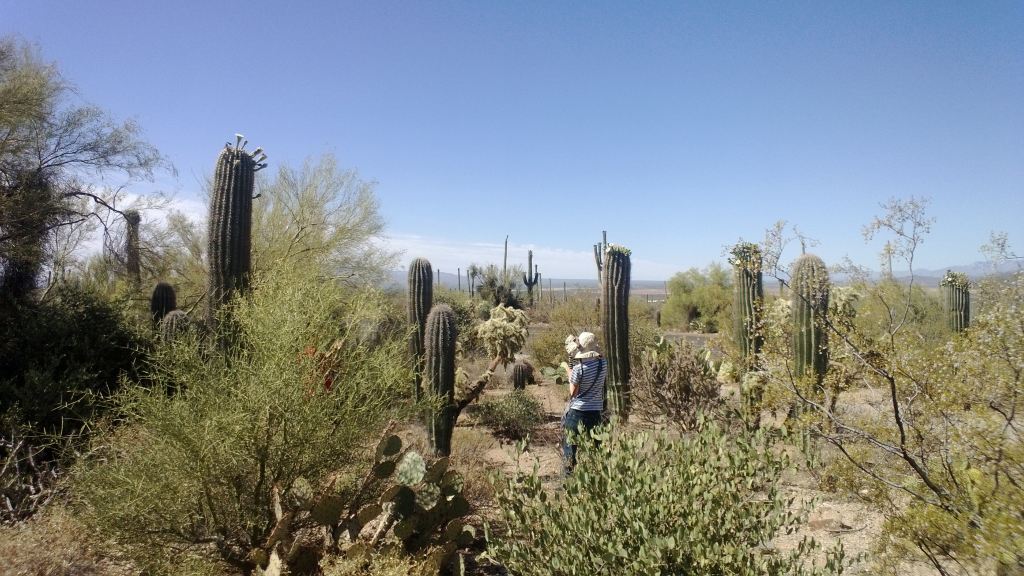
point(54, 543)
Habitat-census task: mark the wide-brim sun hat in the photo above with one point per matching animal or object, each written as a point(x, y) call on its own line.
point(587, 346)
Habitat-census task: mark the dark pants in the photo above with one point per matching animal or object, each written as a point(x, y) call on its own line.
point(580, 422)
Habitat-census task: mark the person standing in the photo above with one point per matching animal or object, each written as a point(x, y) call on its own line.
point(586, 394)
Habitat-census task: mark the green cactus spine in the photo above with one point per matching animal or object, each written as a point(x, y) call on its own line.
point(530, 277)
point(520, 375)
point(131, 252)
point(421, 298)
point(956, 291)
point(615, 325)
point(175, 323)
point(163, 301)
point(439, 375)
point(230, 233)
point(748, 301)
point(809, 299)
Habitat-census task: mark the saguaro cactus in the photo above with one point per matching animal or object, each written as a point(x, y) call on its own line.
point(748, 300)
point(615, 325)
point(421, 298)
point(230, 234)
point(599, 249)
point(809, 299)
point(530, 277)
point(956, 291)
point(439, 373)
point(133, 262)
point(521, 374)
point(163, 301)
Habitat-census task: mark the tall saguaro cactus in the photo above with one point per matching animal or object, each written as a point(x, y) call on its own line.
point(230, 234)
point(809, 299)
point(163, 301)
point(599, 249)
point(530, 277)
point(956, 291)
point(748, 300)
point(133, 262)
point(421, 298)
point(440, 336)
point(615, 325)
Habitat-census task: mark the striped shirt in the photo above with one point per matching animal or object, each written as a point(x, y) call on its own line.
point(589, 377)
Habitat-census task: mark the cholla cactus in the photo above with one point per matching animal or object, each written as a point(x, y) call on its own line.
point(956, 291)
point(504, 334)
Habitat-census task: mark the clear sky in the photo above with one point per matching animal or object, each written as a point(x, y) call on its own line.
point(679, 127)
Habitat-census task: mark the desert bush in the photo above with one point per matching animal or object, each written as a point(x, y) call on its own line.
point(570, 317)
point(699, 300)
point(648, 503)
point(60, 358)
point(199, 451)
point(674, 384)
point(513, 415)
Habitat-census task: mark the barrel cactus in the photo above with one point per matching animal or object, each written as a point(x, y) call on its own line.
point(420, 300)
point(173, 325)
point(132, 259)
point(956, 292)
point(230, 225)
point(440, 338)
point(615, 326)
point(163, 301)
point(748, 300)
point(521, 374)
point(809, 299)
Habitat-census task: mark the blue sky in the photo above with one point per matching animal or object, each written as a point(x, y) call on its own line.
point(679, 127)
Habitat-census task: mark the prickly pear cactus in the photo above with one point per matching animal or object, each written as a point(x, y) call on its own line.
point(748, 300)
point(615, 325)
point(421, 298)
point(520, 375)
point(230, 225)
point(956, 292)
point(163, 301)
point(173, 325)
point(809, 299)
point(131, 252)
point(440, 339)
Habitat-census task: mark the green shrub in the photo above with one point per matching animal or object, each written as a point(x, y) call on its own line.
point(514, 415)
point(194, 462)
point(640, 503)
point(60, 359)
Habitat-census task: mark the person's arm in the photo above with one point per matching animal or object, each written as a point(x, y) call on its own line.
point(574, 379)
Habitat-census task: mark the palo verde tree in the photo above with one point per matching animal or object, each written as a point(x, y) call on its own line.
point(50, 148)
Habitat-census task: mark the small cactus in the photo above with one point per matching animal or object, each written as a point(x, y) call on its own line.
point(439, 374)
point(748, 300)
point(521, 374)
point(163, 301)
point(956, 291)
point(615, 324)
point(810, 294)
point(173, 325)
point(421, 298)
